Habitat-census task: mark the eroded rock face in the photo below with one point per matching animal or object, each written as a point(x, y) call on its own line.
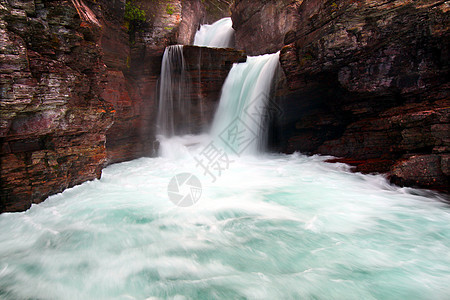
point(53, 122)
point(261, 26)
point(130, 134)
point(365, 81)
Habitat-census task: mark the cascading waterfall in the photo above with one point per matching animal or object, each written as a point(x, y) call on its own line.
point(174, 109)
point(174, 105)
point(219, 34)
point(240, 121)
point(273, 227)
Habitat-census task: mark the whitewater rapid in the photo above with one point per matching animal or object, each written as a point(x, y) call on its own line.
point(270, 227)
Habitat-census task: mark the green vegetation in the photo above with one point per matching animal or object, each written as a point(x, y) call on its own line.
point(133, 13)
point(135, 17)
point(170, 9)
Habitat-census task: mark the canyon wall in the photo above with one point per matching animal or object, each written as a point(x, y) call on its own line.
point(78, 87)
point(365, 81)
point(262, 26)
point(53, 120)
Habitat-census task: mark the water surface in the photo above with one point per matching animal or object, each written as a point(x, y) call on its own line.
point(270, 227)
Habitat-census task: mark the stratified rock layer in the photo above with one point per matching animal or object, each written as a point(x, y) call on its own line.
point(53, 122)
point(366, 81)
point(261, 26)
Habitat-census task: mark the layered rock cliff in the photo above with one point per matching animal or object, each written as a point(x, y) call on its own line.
point(78, 87)
point(366, 81)
point(53, 120)
point(262, 26)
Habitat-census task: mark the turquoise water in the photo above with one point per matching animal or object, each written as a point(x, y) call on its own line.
point(270, 227)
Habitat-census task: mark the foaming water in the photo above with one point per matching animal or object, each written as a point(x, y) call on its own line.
point(271, 227)
point(219, 34)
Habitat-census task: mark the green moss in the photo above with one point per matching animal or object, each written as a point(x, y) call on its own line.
point(308, 56)
point(134, 14)
point(170, 9)
point(134, 17)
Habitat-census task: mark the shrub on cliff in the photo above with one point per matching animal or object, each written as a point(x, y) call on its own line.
point(134, 16)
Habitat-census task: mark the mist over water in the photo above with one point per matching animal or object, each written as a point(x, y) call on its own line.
point(271, 227)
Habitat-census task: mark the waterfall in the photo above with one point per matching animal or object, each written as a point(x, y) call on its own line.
point(219, 34)
point(173, 103)
point(240, 120)
point(273, 227)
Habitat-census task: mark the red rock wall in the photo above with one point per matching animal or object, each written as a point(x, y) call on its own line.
point(261, 26)
point(53, 122)
point(366, 81)
point(130, 134)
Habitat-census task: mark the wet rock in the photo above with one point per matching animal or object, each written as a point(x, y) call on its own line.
point(207, 69)
point(365, 81)
point(263, 26)
point(53, 122)
point(421, 170)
